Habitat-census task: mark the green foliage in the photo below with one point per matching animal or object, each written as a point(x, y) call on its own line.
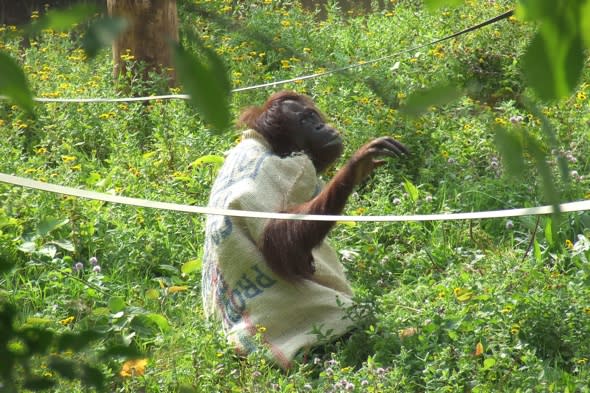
point(419, 102)
point(22, 345)
point(101, 33)
point(435, 4)
point(555, 57)
point(207, 84)
point(14, 83)
point(492, 305)
point(510, 143)
point(61, 20)
point(553, 67)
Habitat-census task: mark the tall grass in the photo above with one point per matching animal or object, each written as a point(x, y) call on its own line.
point(488, 305)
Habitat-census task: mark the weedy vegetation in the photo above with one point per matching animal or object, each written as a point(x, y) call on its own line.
point(105, 296)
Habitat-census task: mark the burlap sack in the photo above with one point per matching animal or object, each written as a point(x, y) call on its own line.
point(238, 288)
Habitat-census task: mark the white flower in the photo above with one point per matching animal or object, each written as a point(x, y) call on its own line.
point(575, 175)
point(509, 224)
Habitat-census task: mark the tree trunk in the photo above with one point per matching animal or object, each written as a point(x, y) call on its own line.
point(153, 25)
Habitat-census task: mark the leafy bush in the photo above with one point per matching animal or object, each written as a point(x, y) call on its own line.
point(490, 305)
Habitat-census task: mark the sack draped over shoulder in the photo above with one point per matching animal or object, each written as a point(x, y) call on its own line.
point(238, 288)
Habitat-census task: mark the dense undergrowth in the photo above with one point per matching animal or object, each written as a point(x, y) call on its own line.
point(479, 306)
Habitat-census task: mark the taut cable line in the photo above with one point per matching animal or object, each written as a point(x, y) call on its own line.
point(58, 189)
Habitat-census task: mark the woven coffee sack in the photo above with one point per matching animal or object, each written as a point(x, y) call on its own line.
point(238, 288)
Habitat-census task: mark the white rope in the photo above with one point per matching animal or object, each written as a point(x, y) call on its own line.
point(54, 188)
point(185, 96)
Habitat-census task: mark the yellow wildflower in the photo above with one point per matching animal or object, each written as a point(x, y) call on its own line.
point(437, 51)
point(360, 211)
point(180, 176)
point(77, 55)
point(106, 115)
point(63, 86)
point(507, 309)
point(581, 96)
point(67, 321)
point(127, 57)
point(569, 244)
point(20, 124)
point(134, 171)
point(68, 158)
point(462, 294)
point(177, 288)
point(133, 367)
point(478, 349)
